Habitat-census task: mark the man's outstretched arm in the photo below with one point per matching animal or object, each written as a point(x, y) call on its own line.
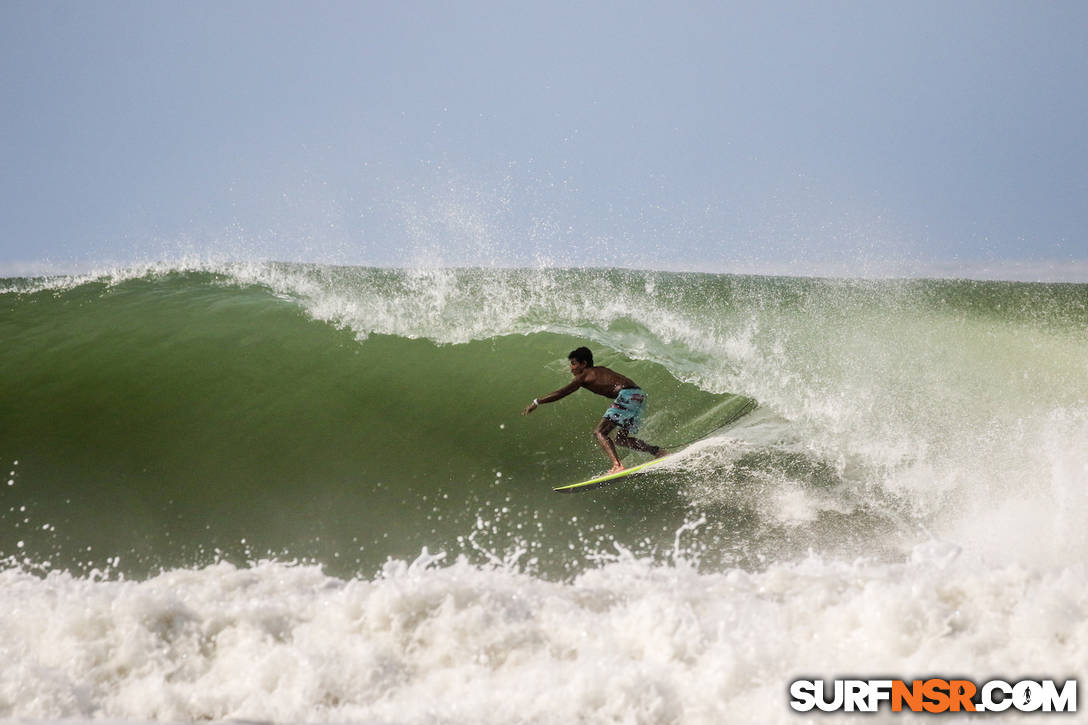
point(554, 396)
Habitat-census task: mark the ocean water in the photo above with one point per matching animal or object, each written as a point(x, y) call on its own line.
point(306, 493)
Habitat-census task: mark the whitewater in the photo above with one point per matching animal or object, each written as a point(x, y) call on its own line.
point(299, 493)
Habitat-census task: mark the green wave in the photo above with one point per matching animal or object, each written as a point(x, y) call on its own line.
point(165, 417)
point(177, 413)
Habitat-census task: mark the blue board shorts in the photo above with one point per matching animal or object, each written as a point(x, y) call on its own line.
point(626, 409)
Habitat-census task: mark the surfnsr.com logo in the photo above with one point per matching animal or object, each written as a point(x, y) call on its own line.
point(934, 695)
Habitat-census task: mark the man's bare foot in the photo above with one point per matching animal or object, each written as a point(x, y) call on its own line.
point(661, 453)
point(617, 468)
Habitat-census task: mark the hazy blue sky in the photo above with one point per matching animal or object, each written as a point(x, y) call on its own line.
point(861, 137)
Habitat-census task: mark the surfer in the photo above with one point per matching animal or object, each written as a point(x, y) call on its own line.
point(625, 413)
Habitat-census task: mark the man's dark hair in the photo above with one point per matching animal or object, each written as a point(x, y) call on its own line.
point(582, 354)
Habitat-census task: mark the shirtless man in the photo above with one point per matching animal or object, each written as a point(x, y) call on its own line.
point(625, 412)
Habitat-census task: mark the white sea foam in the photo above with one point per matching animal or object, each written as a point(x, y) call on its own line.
point(428, 642)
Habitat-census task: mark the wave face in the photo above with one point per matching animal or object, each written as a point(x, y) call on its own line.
point(222, 477)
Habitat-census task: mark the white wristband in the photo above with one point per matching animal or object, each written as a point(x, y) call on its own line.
point(536, 402)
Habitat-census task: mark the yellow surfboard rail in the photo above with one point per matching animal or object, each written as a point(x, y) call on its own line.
point(609, 477)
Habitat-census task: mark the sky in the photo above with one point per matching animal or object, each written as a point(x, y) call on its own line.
point(847, 138)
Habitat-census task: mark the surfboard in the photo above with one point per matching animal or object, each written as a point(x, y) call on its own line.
point(610, 477)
